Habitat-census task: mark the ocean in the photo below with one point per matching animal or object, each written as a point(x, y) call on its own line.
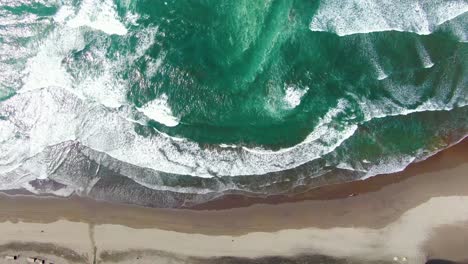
point(175, 103)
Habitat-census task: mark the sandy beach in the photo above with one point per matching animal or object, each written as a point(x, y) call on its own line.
point(408, 217)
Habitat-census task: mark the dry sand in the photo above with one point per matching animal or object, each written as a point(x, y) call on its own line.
point(422, 213)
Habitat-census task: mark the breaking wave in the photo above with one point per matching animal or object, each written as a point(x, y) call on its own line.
point(365, 16)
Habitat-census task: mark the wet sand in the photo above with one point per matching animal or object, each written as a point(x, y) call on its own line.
point(412, 214)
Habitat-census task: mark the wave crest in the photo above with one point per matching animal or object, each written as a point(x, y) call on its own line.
point(365, 16)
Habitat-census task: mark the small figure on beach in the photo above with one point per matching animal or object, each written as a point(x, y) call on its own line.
point(14, 257)
point(36, 260)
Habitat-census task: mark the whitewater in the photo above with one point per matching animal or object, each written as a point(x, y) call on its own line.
point(66, 90)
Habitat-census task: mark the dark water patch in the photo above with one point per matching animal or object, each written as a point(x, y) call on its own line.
point(317, 259)
point(165, 257)
point(440, 261)
point(5, 94)
point(46, 185)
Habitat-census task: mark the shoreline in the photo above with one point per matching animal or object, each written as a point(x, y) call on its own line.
point(330, 191)
point(330, 201)
point(345, 189)
point(410, 214)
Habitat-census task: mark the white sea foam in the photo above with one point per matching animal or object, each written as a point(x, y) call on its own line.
point(17, 27)
point(99, 15)
point(132, 18)
point(412, 94)
point(46, 69)
point(395, 164)
point(106, 86)
point(364, 16)
point(50, 116)
point(345, 166)
point(233, 146)
point(53, 115)
point(293, 95)
point(13, 147)
point(370, 52)
point(457, 27)
point(424, 55)
point(381, 75)
point(64, 13)
point(389, 165)
point(159, 110)
point(324, 131)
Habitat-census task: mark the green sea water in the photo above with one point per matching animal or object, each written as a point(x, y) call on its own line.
point(260, 84)
point(227, 67)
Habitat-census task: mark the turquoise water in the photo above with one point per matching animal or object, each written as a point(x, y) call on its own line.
point(209, 88)
point(227, 67)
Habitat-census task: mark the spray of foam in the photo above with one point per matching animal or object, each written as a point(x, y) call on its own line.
point(371, 53)
point(324, 131)
point(64, 116)
point(294, 95)
point(457, 27)
point(364, 16)
point(160, 111)
point(104, 86)
point(13, 148)
point(390, 165)
point(99, 15)
point(50, 116)
point(46, 68)
point(424, 55)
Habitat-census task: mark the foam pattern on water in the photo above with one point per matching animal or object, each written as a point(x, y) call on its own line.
point(160, 111)
point(365, 16)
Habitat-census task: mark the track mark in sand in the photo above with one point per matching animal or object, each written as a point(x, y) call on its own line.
point(93, 241)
